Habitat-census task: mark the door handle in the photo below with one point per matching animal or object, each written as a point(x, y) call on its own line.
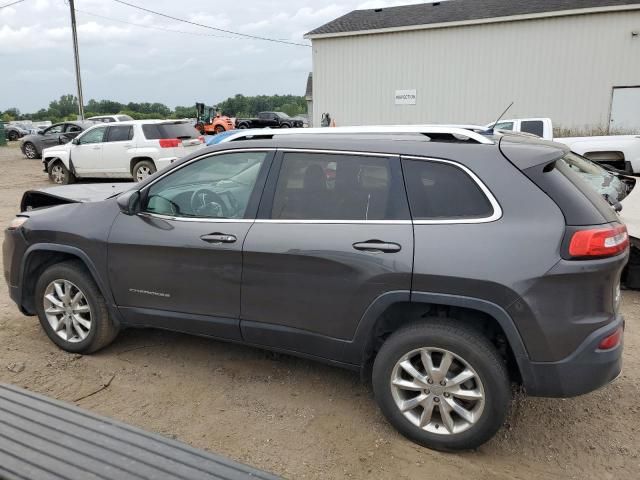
point(218, 238)
point(377, 246)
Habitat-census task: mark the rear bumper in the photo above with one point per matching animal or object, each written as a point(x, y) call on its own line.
point(584, 371)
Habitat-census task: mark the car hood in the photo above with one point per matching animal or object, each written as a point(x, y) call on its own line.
point(60, 195)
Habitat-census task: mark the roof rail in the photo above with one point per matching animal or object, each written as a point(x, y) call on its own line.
point(471, 132)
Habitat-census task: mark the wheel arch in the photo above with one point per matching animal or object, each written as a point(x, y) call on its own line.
point(41, 256)
point(135, 160)
point(393, 310)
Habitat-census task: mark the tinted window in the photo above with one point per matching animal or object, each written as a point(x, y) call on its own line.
point(337, 187)
point(218, 186)
point(535, 127)
point(93, 136)
point(120, 133)
point(71, 128)
point(443, 191)
point(155, 131)
point(124, 118)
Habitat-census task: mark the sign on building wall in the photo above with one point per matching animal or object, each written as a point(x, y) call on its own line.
point(406, 97)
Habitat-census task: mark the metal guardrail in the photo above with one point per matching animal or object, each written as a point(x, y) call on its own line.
point(45, 439)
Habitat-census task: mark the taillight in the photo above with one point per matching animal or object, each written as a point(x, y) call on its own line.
point(599, 242)
point(169, 142)
point(612, 341)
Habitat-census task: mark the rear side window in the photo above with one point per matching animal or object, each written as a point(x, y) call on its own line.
point(124, 118)
point(314, 186)
point(443, 191)
point(535, 127)
point(120, 133)
point(156, 131)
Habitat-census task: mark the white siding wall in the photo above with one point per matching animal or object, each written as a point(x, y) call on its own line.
point(563, 68)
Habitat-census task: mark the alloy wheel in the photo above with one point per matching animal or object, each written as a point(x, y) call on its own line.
point(67, 311)
point(142, 173)
point(57, 173)
point(30, 151)
point(437, 390)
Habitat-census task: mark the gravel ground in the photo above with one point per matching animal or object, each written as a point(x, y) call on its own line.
point(301, 419)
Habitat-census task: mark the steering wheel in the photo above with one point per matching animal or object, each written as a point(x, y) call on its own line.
point(207, 203)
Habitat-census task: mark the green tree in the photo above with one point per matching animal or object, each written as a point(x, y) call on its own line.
point(65, 107)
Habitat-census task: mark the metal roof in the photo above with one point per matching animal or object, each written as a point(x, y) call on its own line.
point(451, 11)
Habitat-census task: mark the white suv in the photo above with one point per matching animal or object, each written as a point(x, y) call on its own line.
point(110, 118)
point(121, 150)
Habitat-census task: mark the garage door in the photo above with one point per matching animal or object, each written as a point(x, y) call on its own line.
point(625, 110)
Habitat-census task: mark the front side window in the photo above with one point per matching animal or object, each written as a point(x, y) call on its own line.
point(440, 190)
point(504, 126)
point(218, 186)
point(95, 135)
point(120, 133)
point(315, 186)
point(54, 129)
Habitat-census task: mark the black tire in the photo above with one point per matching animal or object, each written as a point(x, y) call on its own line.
point(102, 331)
point(465, 343)
point(243, 126)
point(143, 169)
point(285, 125)
point(30, 151)
point(13, 135)
point(219, 129)
point(59, 174)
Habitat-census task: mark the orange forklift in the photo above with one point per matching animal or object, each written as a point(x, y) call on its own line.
point(211, 121)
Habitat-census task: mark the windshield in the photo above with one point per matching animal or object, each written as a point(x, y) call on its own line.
point(606, 183)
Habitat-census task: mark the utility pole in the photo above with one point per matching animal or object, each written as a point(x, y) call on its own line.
point(77, 58)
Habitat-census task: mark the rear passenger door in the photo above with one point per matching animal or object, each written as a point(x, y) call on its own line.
point(115, 156)
point(332, 235)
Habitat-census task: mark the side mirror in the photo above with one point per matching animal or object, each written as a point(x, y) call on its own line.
point(76, 141)
point(129, 202)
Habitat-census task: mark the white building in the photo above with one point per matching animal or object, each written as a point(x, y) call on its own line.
point(464, 61)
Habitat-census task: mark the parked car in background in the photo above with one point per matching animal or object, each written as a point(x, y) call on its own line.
point(271, 120)
point(134, 149)
point(15, 131)
point(60, 133)
point(110, 118)
point(619, 151)
point(444, 267)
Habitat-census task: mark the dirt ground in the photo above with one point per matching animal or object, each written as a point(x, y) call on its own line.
point(301, 419)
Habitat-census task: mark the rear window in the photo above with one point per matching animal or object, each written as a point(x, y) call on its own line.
point(443, 191)
point(156, 131)
point(124, 118)
point(536, 127)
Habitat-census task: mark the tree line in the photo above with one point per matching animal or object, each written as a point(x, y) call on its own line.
point(66, 108)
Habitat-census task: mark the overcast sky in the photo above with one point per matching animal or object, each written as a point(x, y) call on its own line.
point(130, 63)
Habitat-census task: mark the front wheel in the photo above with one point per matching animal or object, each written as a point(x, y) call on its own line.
point(143, 169)
point(219, 129)
point(442, 385)
point(30, 151)
point(13, 136)
point(285, 125)
point(60, 174)
point(71, 309)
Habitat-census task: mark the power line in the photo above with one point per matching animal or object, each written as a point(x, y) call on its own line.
point(246, 35)
point(152, 27)
point(9, 4)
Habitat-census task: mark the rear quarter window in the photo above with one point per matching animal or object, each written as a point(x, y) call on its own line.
point(156, 131)
point(439, 191)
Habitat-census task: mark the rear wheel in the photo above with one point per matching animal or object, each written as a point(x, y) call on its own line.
point(219, 129)
point(71, 309)
point(143, 169)
point(442, 385)
point(30, 151)
point(60, 174)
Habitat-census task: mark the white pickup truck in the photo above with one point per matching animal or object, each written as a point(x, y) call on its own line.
point(621, 152)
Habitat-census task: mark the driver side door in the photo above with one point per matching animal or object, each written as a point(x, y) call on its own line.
point(86, 154)
point(178, 263)
point(52, 136)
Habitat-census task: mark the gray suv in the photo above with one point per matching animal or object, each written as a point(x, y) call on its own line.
point(444, 268)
